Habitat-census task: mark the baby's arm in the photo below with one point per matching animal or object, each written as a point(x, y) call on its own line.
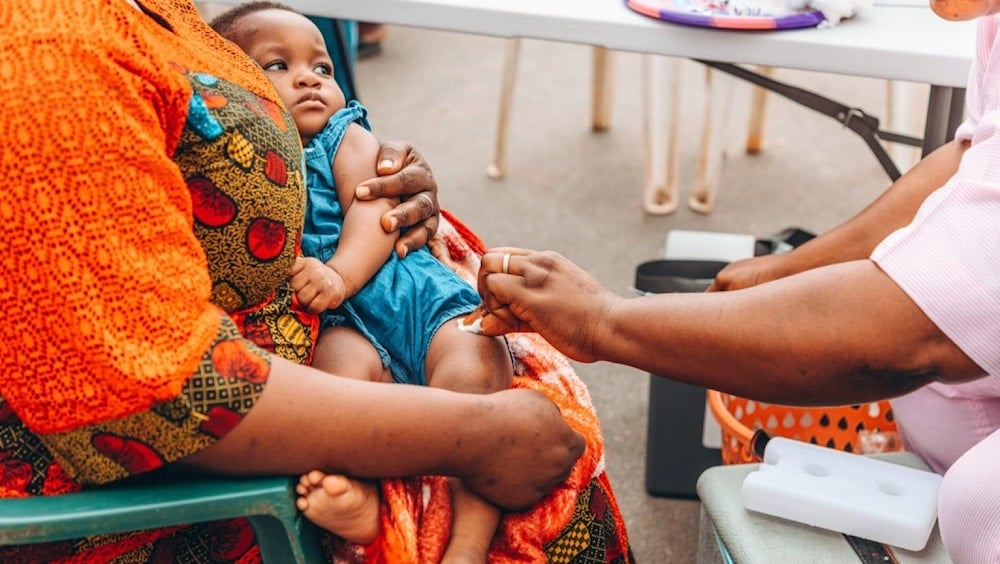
point(364, 246)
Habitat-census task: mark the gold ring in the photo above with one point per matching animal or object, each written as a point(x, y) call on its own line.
point(506, 263)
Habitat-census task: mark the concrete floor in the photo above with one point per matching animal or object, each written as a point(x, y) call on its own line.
point(579, 192)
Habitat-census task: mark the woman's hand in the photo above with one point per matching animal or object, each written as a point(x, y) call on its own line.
point(403, 173)
point(544, 292)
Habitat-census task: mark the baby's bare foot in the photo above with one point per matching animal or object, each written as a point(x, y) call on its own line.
point(345, 507)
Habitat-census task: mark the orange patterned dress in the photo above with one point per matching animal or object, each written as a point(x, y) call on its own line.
point(144, 283)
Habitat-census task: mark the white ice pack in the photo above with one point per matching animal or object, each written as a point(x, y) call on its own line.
point(843, 492)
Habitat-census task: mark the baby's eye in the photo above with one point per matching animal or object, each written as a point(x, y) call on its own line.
point(323, 68)
point(276, 65)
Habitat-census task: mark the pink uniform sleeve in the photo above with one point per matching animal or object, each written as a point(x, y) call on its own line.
point(946, 259)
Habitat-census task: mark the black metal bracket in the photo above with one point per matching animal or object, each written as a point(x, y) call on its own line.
point(855, 119)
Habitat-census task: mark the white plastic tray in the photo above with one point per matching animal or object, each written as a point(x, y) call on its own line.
point(844, 492)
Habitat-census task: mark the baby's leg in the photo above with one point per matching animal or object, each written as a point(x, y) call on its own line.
point(473, 526)
point(466, 362)
point(346, 352)
point(347, 508)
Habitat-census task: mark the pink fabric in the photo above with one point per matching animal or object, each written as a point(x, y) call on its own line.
point(955, 426)
point(948, 261)
point(968, 508)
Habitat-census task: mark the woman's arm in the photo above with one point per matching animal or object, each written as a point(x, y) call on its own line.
point(858, 236)
point(835, 335)
point(839, 334)
point(307, 419)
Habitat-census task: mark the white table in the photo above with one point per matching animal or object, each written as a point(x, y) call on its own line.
point(889, 41)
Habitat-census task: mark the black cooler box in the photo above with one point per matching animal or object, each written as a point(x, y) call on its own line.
point(675, 454)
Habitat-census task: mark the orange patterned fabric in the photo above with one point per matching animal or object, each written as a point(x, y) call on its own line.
point(101, 262)
point(118, 257)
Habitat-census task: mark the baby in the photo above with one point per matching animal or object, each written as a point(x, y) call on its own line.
point(382, 318)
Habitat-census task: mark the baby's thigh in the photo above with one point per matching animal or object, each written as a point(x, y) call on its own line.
point(346, 352)
point(968, 504)
point(466, 362)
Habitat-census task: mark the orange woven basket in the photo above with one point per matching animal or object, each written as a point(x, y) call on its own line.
point(859, 428)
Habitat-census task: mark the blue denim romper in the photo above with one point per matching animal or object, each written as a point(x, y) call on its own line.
point(401, 308)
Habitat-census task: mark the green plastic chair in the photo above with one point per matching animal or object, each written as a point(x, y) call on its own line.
point(268, 503)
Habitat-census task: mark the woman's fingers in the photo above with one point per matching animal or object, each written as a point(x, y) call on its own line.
point(404, 174)
point(493, 263)
point(494, 260)
point(420, 213)
point(392, 157)
point(501, 278)
point(543, 292)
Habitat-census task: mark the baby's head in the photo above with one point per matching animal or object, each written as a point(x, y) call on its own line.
point(292, 52)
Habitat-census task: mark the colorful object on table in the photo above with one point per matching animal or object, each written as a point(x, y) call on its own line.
point(725, 14)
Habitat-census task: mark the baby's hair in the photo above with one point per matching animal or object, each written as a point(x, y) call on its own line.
point(226, 24)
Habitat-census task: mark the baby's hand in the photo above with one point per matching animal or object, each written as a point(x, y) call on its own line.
point(317, 286)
